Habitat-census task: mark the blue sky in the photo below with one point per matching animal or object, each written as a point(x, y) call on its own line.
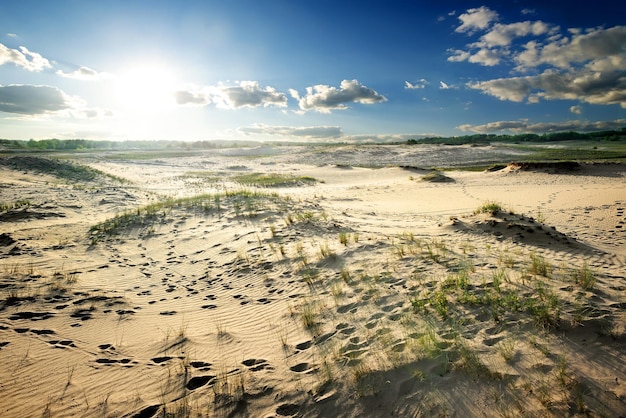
point(309, 71)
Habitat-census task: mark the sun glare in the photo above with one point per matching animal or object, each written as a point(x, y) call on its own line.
point(145, 89)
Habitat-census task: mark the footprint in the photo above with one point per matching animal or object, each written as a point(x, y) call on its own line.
point(113, 361)
point(122, 312)
point(345, 328)
point(256, 365)
point(492, 341)
point(202, 365)
point(493, 330)
point(147, 412)
point(82, 314)
point(304, 345)
point(377, 315)
point(199, 381)
point(399, 346)
point(303, 368)
point(106, 361)
point(371, 324)
point(350, 307)
point(159, 360)
point(106, 347)
point(287, 409)
point(33, 316)
point(62, 343)
point(324, 337)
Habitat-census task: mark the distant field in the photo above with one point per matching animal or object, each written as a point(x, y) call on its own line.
point(460, 155)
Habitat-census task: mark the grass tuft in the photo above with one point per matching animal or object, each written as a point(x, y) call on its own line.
point(491, 207)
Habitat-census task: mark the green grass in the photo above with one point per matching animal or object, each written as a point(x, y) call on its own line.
point(585, 277)
point(20, 203)
point(436, 177)
point(539, 265)
point(151, 214)
point(202, 176)
point(272, 180)
point(490, 207)
point(578, 151)
point(61, 169)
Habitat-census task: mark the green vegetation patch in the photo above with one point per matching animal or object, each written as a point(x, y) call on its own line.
point(490, 207)
point(61, 169)
point(20, 203)
point(436, 177)
point(201, 176)
point(272, 180)
point(243, 202)
point(572, 154)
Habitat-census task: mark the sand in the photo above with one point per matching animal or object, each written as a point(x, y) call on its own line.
point(371, 292)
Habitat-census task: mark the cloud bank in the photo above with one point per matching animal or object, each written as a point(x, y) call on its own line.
point(302, 132)
point(523, 126)
point(243, 94)
point(584, 65)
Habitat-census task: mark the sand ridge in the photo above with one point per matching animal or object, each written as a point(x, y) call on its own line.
point(370, 292)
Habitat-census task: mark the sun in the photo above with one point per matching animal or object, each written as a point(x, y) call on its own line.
point(145, 89)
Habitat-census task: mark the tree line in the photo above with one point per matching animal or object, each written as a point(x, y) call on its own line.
point(88, 144)
point(611, 135)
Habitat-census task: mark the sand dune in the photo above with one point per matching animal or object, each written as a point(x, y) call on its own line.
point(372, 292)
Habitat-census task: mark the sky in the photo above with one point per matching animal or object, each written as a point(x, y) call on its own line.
point(284, 70)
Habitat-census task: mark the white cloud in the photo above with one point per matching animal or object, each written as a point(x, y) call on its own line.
point(606, 46)
point(586, 86)
point(323, 98)
point(24, 58)
point(184, 97)
point(12, 35)
point(294, 93)
point(247, 94)
point(458, 55)
point(486, 57)
point(585, 65)
point(513, 89)
point(84, 73)
point(476, 19)
point(290, 132)
point(243, 94)
point(495, 45)
point(420, 84)
point(443, 85)
point(503, 35)
point(577, 110)
point(523, 126)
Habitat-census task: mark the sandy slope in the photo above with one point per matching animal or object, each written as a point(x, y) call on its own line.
point(255, 307)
